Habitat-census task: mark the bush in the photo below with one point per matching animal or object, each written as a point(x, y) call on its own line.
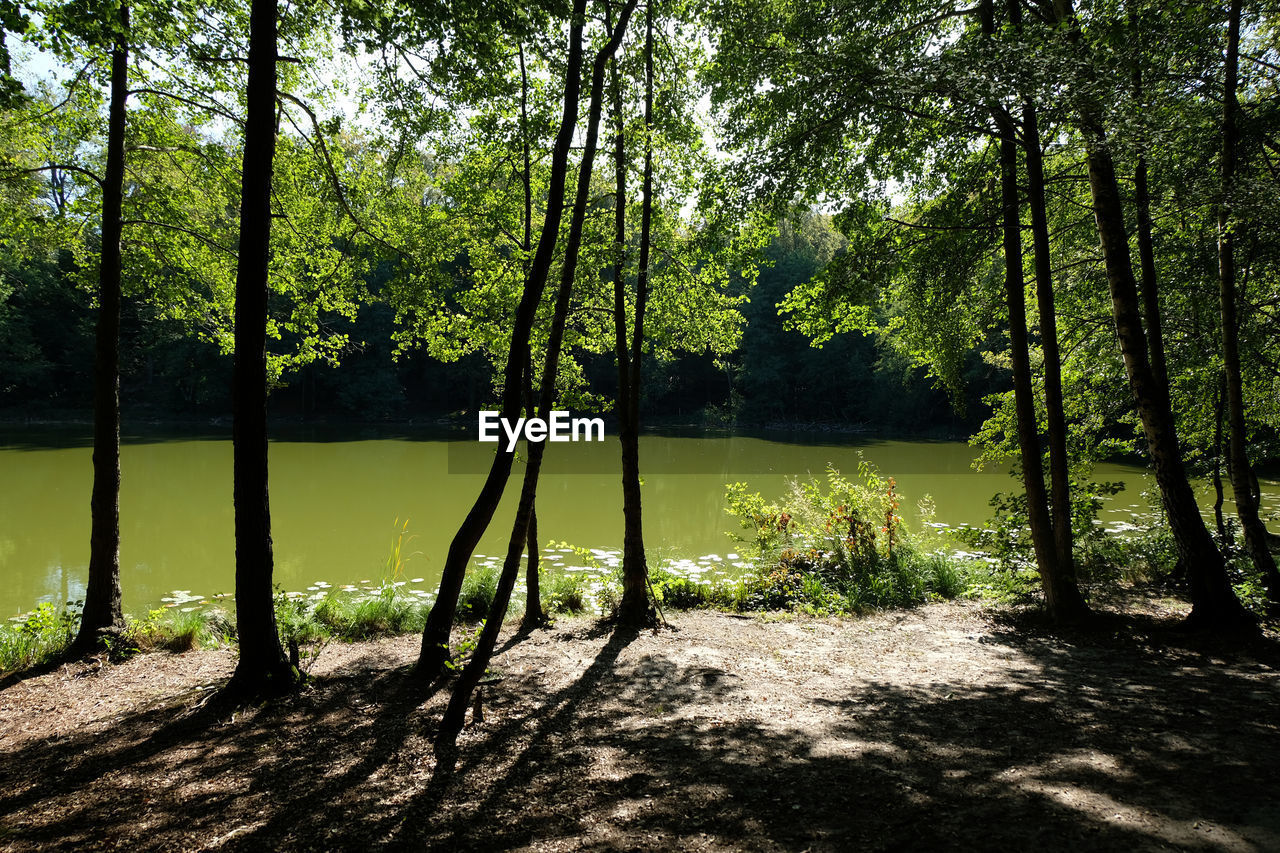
point(478, 590)
point(564, 593)
point(297, 619)
point(37, 637)
point(837, 546)
point(386, 611)
point(169, 629)
point(681, 593)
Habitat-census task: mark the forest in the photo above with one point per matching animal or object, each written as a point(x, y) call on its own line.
point(800, 250)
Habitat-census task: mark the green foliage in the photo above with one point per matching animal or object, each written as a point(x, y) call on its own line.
point(173, 629)
point(837, 546)
point(386, 612)
point(463, 644)
point(478, 589)
point(37, 637)
point(350, 616)
point(677, 592)
point(564, 592)
point(297, 619)
point(1008, 538)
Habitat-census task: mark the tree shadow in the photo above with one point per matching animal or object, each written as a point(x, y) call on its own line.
point(1136, 738)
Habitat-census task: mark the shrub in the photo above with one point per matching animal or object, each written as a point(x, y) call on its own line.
point(168, 629)
point(837, 546)
point(37, 637)
point(297, 619)
point(564, 592)
point(478, 589)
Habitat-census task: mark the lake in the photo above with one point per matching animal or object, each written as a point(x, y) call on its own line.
point(336, 498)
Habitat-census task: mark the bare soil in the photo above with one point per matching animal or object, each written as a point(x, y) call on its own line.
point(954, 726)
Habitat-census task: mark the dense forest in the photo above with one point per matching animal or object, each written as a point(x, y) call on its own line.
point(773, 376)
point(1051, 227)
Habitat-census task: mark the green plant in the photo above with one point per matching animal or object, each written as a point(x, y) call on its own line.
point(843, 548)
point(296, 619)
point(609, 595)
point(165, 629)
point(462, 647)
point(393, 570)
point(564, 592)
point(38, 637)
point(478, 589)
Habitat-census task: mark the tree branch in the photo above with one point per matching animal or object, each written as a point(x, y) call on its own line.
point(51, 167)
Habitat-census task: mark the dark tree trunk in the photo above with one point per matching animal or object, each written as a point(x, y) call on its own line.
point(103, 613)
point(1214, 604)
point(1023, 393)
point(1146, 249)
point(435, 636)
point(1150, 284)
point(634, 607)
point(1064, 601)
point(263, 665)
point(534, 615)
point(455, 713)
point(1219, 412)
point(1255, 535)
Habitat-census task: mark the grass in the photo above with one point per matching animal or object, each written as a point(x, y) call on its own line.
point(175, 630)
point(813, 582)
point(564, 593)
point(478, 589)
point(38, 637)
point(44, 635)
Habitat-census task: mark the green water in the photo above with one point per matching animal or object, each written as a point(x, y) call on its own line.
point(334, 502)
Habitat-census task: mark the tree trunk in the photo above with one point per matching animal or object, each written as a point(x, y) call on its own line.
point(1146, 249)
point(1065, 601)
point(263, 665)
point(103, 612)
point(634, 607)
point(1150, 284)
point(1255, 535)
point(1023, 394)
point(1219, 412)
point(534, 615)
point(455, 713)
point(435, 636)
point(1214, 604)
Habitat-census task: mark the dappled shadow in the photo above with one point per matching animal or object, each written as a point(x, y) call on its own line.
point(1117, 739)
point(1080, 749)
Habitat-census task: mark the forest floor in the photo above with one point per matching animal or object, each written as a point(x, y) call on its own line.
point(956, 725)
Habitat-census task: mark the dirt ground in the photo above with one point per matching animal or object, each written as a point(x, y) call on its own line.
point(953, 726)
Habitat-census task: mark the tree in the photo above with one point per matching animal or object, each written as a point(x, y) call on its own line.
point(262, 665)
point(634, 607)
point(1051, 537)
point(73, 29)
point(1214, 602)
point(455, 712)
point(945, 94)
point(1255, 534)
point(12, 20)
point(103, 613)
point(435, 636)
